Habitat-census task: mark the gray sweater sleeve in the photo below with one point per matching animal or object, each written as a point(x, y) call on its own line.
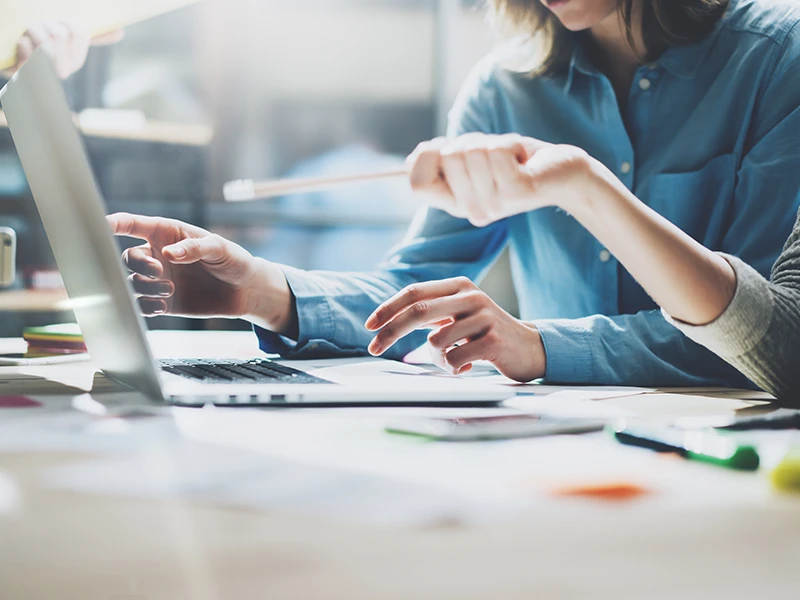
point(759, 332)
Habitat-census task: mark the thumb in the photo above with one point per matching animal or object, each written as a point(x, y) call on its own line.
point(210, 249)
point(531, 146)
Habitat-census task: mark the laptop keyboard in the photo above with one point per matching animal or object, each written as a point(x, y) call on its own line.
point(257, 370)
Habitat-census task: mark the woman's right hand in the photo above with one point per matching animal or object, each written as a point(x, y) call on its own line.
point(185, 270)
point(486, 178)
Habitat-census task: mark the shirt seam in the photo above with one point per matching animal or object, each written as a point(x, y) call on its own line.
point(777, 40)
point(588, 343)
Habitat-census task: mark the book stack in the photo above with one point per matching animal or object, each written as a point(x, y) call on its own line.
point(54, 340)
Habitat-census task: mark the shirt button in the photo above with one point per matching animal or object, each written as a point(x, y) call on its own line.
point(625, 168)
point(644, 84)
point(605, 255)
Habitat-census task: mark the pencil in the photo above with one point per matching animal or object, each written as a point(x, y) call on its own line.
point(243, 190)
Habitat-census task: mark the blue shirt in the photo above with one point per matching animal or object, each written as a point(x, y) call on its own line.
point(710, 138)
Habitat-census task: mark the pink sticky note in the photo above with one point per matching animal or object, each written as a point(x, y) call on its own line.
point(18, 402)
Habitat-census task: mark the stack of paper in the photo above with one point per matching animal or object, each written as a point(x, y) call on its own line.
point(54, 340)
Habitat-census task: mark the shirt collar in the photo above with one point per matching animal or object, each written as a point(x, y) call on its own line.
point(684, 61)
point(680, 61)
point(579, 61)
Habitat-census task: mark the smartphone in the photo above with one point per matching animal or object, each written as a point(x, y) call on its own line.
point(493, 427)
point(8, 256)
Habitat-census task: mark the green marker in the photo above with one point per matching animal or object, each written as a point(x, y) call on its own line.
point(701, 445)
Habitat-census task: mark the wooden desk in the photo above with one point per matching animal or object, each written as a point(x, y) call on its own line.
point(59, 544)
point(33, 300)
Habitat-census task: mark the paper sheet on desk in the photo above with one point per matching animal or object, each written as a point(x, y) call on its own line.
point(361, 371)
point(97, 16)
point(80, 424)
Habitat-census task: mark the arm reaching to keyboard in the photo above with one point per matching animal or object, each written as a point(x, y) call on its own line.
point(187, 271)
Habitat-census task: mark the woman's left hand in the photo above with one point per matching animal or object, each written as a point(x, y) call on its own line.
point(467, 326)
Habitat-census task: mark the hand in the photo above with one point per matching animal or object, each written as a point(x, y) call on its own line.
point(67, 43)
point(185, 270)
point(485, 178)
point(468, 326)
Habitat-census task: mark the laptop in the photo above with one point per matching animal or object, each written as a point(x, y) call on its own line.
point(73, 213)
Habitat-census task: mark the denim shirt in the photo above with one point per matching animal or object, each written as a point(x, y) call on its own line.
point(710, 138)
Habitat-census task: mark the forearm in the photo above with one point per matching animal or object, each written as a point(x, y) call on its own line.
point(640, 349)
point(758, 332)
point(692, 283)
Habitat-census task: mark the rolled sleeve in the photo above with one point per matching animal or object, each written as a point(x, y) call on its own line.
point(314, 317)
point(745, 321)
point(567, 349)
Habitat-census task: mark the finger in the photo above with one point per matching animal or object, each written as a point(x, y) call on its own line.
point(424, 167)
point(140, 260)
point(460, 356)
point(438, 358)
point(425, 170)
point(415, 293)
point(469, 328)
point(79, 36)
point(455, 172)
point(24, 50)
point(58, 33)
point(511, 175)
point(421, 315)
point(482, 178)
point(152, 288)
point(210, 249)
point(38, 35)
point(137, 226)
point(152, 306)
point(531, 146)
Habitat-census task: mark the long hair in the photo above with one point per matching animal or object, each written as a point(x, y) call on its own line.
point(664, 23)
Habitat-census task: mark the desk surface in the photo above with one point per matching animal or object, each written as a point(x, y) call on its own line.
point(730, 537)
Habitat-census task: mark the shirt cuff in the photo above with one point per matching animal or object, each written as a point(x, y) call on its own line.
point(746, 320)
point(314, 316)
point(567, 350)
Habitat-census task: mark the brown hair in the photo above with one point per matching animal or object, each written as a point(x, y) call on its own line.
point(664, 23)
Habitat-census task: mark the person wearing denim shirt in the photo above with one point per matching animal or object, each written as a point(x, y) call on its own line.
point(706, 134)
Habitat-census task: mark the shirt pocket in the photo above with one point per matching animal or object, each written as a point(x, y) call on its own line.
point(699, 202)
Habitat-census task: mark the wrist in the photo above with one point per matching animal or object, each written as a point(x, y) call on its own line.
point(537, 366)
point(270, 303)
point(596, 186)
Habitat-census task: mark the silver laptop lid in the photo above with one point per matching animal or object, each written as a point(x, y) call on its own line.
point(73, 212)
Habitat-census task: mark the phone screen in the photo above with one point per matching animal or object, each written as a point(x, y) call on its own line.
point(493, 427)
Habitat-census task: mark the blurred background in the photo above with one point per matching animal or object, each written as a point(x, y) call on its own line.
point(228, 89)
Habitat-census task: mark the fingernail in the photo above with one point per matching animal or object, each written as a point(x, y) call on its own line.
point(370, 323)
point(374, 348)
point(159, 311)
point(177, 252)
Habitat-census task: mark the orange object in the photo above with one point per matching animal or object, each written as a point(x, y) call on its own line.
point(604, 491)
